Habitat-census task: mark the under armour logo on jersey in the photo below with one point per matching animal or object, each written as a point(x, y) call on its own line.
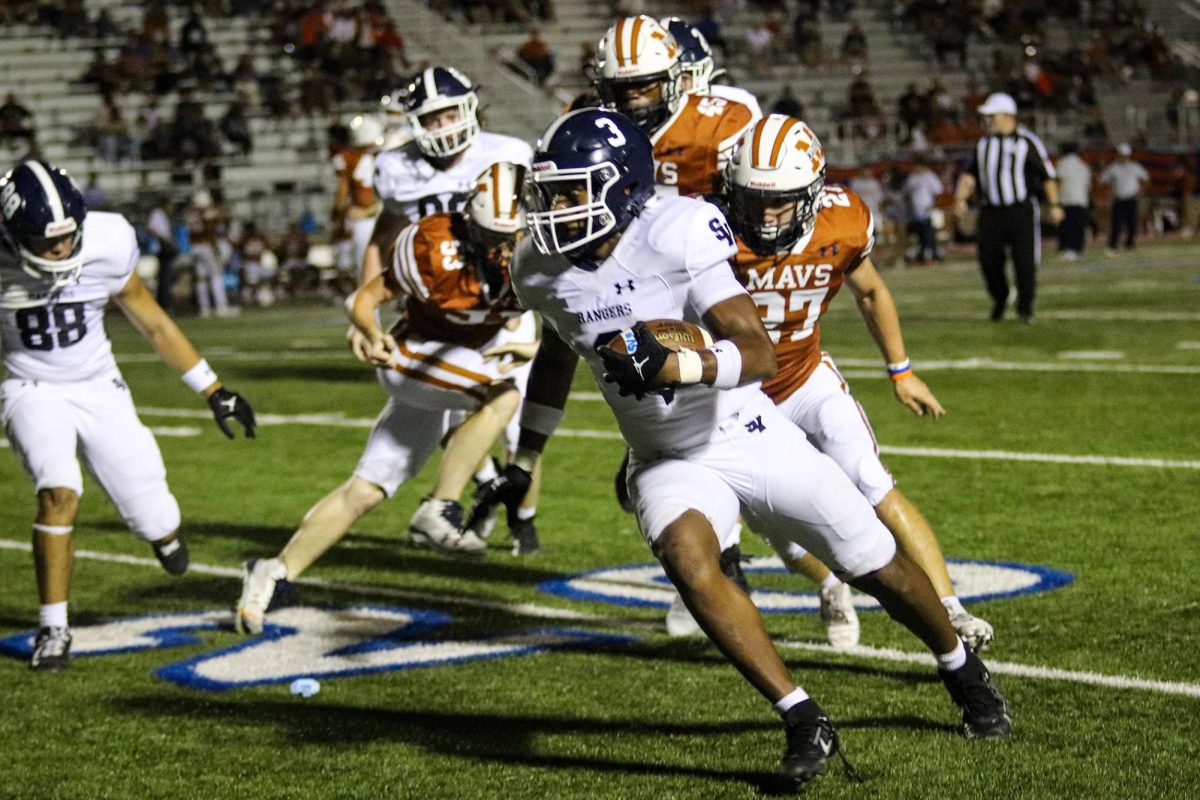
point(832, 250)
point(620, 287)
point(753, 426)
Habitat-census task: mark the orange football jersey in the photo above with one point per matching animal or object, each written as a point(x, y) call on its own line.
point(694, 145)
point(357, 169)
point(446, 301)
point(792, 290)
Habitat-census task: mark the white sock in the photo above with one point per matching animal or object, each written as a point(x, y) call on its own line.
point(792, 698)
point(831, 582)
point(953, 660)
point(526, 514)
point(53, 615)
point(953, 605)
point(486, 472)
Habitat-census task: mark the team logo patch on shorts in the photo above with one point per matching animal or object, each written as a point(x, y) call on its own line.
point(646, 585)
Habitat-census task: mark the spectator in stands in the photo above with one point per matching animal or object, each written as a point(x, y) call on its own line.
point(1074, 192)
point(762, 44)
point(192, 137)
point(245, 81)
point(788, 104)
point(1127, 178)
point(156, 23)
point(806, 39)
point(158, 225)
point(193, 37)
point(854, 44)
point(913, 107)
point(258, 267)
point(93, 193)
point(870, 190)
point(102, 73)
point(112, 131)
point(236, 128)
point(921, 190)
point(16, 121)
point(535, 53)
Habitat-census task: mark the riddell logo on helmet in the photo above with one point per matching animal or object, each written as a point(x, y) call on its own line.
point(543, 166)
point(60, 227)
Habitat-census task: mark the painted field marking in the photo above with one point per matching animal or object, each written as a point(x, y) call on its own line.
point(547, 612)
point(1187, 345)
point(1007, 668)
point(1092, 355)
point(339, 421)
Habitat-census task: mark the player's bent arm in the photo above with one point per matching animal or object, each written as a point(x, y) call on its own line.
point(879, 312)
point(734, 322)
point(388, 225)
point(159, 329)
point(549, 384)
point(363, 304)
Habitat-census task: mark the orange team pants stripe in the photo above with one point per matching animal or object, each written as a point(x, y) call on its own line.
point(424, 377)
point(442, 364)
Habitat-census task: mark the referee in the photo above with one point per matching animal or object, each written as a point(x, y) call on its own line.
point(1010, 167)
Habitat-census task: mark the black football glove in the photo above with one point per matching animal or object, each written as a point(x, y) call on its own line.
point(509, 488)
point(226, 404)
point(632, 373)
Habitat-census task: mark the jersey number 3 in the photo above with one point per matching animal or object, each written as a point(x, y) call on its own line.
point(38, 334)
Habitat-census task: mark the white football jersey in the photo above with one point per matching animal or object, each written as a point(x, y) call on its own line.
point(671, 263)
point(60, 337)
point(408, 184)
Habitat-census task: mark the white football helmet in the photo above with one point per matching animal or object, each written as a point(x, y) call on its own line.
point(495, 215)
point(435, 90)
point(366, 131)
point(635, 54)
point(779, 161)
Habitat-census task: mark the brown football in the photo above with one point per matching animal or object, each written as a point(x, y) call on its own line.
point(673, 333)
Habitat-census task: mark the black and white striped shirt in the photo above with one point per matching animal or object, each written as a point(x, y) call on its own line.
point(1011, 168)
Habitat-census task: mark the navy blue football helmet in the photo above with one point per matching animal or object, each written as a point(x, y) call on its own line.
point(592, 173)
point(43, 208)
point(695, 56)
point(438, 89)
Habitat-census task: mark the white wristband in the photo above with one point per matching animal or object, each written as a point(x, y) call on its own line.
point(200, 377)
point(691, 368)
point(540, 418)
point(729, 364)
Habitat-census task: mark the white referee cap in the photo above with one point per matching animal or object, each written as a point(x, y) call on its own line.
point(998, 103)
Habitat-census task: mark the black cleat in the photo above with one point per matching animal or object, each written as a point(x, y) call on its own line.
point(51, 650)
point(811, 742)
point(731, 566)
point(524, 538)
point(984, 712)
point(172, 553)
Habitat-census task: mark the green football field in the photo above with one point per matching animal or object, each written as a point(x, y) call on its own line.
point(1064, 484)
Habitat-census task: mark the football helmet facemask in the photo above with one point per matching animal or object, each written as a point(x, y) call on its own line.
point(638, 72)
point(428, 99)
point(43, 212)
point(495, 215)
point(779, 163)
point(695, 56)
point(592, 173)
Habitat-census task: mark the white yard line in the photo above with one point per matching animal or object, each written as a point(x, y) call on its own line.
point(548, 612)
point(1008, 668)
point(339, 421)
point(1028, 366)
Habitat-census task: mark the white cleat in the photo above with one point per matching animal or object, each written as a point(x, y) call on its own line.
point(976, 633)
point(839, 617)
point(259, 577)
point(438, 524)
point(680, 621)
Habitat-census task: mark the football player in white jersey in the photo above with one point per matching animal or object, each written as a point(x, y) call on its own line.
point(434, 172)
point(63, 396)
point(604, 252)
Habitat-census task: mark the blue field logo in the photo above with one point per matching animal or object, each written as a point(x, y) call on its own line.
point(646, 585)
point(309, 642)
